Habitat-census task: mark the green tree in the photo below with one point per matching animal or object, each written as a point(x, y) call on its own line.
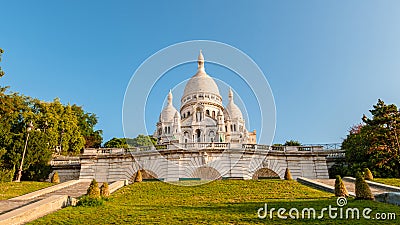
point(86, 123)
point(116, 143)
point(142, 140)
point(375, 144)
point(58, 128)
point(292, 143)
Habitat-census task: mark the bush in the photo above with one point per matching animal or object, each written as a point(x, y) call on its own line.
point(367, 174)
point(362, 189)
point(55, 178)
point(88, 201)
point(138, 177)
point(93, 191)
point(340, 188)
point(7, 175)
point(104, 190)
point(292, 143)
point(288, 175)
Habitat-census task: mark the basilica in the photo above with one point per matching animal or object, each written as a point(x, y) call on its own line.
point(202, 117)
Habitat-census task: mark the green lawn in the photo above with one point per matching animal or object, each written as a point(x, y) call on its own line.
point(14, 189)
point(219, 202)
point(388, 181)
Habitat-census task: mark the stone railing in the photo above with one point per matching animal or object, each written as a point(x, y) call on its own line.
point(331, 146)
point(216, 146)
point(65, 161)
point(336, 154)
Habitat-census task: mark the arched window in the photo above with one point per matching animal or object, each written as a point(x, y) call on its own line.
point(212, 135)
point(165, 130)
point(234, 127)
point(213, 114)
point(169, 130)
point(199, 116)
point(208, 112)
point(198, 135)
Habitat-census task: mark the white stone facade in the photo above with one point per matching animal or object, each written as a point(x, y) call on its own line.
point(202, 117)
point(215, 161)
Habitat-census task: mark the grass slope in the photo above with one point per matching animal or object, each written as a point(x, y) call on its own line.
point(14, 189)
point(388, 181)
point(219, 202)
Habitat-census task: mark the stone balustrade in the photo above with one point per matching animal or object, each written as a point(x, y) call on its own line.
point(336, 153)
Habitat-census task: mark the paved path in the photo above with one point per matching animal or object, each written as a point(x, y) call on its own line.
point(350, 186)
point(75, 191)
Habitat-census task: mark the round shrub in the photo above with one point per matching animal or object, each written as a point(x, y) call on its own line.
point(87, 201)
point(55, 178)
point(340, 188)
point(104, 190)
point(367, 174)
point(138, 177)
point(93, 191)
point(362, 189)
point(288, 175)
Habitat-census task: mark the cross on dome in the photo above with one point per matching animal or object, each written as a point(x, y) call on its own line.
point(170, 97)
point(200, 61)
point(230, 95)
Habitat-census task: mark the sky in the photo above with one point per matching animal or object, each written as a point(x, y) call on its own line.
point(327, 62)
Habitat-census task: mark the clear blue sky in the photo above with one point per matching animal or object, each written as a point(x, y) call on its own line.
point(327, 62)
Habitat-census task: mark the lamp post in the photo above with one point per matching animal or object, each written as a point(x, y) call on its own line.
point(29, 127)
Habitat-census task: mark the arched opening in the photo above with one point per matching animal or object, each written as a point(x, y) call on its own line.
point(213, 114)
point(186, 136)
point(199, 115)
point(198, 135)
point(206, 173)
point(212, 135)
point(265, 173)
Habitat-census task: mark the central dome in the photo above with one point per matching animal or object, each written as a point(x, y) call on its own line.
point(201, 81)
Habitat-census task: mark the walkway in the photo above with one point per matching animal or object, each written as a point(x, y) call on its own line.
point(350, 185)
point(75, 190)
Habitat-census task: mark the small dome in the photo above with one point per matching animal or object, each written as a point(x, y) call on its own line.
point(201, 81)
point(232, 109)
point(168, 113)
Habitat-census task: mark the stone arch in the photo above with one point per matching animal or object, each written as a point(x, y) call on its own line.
point(206, 173)
point(265, 173)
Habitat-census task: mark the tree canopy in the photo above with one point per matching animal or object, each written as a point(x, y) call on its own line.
point(375, 143)
point(116, 143)
point(292, 143)
point(58, 129)
point(139, 141)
